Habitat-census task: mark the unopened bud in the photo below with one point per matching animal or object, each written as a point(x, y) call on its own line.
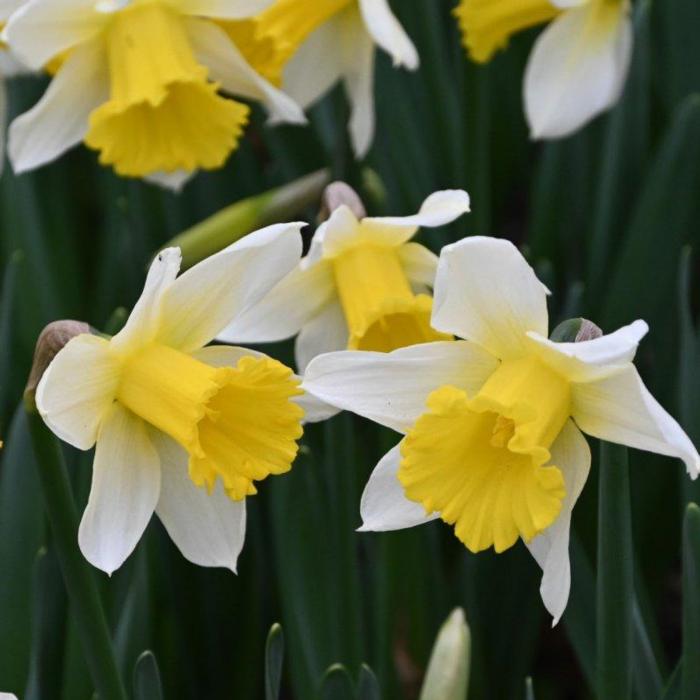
point(337, 194)
point(51, 340)
point(575, 330)
point(447, 677)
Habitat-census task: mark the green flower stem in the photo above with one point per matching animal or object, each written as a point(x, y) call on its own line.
point(615, 593)
point(238, 219)
point(85, 601)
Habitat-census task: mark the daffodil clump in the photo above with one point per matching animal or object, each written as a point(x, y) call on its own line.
point(145, 83)
point(306, 47)
point(364, 285)
point(180, 429)
point(493, 424)
point(578, 65)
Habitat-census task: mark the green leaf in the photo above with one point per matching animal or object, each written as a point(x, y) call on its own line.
point(337, 684)
point(147, 684)
point(615, 593)
point(690, 687)
point(368, 685)
point(529, 689)
point(274, 656)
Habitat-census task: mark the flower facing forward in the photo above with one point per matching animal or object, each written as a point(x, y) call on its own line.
point(362, 286)
point(180, 429)
point(492, 425)
point(578, 65)
point(309, 46)
point(138, 81)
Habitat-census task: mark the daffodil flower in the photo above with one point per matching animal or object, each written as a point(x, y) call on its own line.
point(138, 81)
point(307, 47)
point(578, 65)
point(180, 429)
point(363, 286)
point(493, 426)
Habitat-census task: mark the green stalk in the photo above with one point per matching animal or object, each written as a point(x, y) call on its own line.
point(615, 594)
point(690, 680)
point(85, 602)
point(242, 217)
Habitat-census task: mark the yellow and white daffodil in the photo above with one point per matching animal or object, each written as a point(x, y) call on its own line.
point(180, 429)
point(492, 425)
point(363, 286)
point(578, 66)
point(138, 81)
point(307, 47)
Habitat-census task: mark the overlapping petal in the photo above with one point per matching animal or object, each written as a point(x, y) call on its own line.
point(391, 388)
point(223, 9)
point(77, 390)
point(208, 528)
point(577, 68)
point(388, 33)
point(206, 298)
point(125, 489)
point(419, 263)
point(486, 292)
point(619, 408)
point(571, 454)
point(384, 505)
point(325, 332)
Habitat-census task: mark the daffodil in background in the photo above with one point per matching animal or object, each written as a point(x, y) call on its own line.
point(138, 81)
point(578, 65)
point(180, 429)
point(493, 426)
point(307, 47)
point(364, 285)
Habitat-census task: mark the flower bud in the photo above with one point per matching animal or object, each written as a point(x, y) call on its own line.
point(575, 330)
point(447, 677)
point(335, 195)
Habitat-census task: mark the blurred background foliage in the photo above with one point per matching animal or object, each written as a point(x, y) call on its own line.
point(609, 220)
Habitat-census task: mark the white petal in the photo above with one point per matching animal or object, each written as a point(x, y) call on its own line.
point(391, 388)
point(171, 181)
point(485, 291)
point(619, 408)
point(228, 66)
point(577, 68)
point(384, 505)
point(208, 528)
point(358, 70)
point(282, 313)
point(325, 332)
point(570, 452)
point(77, 390)
point(316, 66)
point(340, 231)
point(440, 208)
point(124, 492)
point(206, 298)
point(388, 33)
point(144, 321)
point(419, 263)
point(60, 119)
point(7, 696)
point(591, 359)
point(3, 122)
point(41, 30)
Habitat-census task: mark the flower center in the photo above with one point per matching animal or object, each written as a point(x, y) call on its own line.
point(163, 114)
point(269, 40)
point(381, 310)
point(488, 24)
point(482, 463)
point(236, 423)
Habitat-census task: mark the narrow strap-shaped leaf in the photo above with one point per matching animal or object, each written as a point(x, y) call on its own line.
point(147, 684)
point(690, 685)
point(337, 684)
point(529, 690)
point(615, 592)
point(672, 691)
point(368, 685)
point(274, 656)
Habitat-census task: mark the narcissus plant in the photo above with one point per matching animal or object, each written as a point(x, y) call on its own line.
point(578, 65)
point(493, 425)
point(140, 81)
point(178, 428)
point(364, 285)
